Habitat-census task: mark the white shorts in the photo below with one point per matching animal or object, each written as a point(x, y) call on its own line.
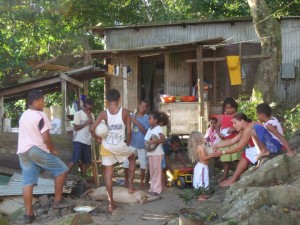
point(142, 156)
point(200, 177)
point(118, 154)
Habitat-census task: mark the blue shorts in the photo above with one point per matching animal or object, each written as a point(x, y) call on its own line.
point(35, 159)
point(163, 162)
point(266, 138)
point(81, 152)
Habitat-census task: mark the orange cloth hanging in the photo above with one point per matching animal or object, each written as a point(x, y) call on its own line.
point(234, 68)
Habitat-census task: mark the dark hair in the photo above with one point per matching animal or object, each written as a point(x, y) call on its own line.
point(88, 101)
point(144, 101)
point(113, 95)
point(229, 101)
point(264, 108)
point(241, 116)
point(175, 139)
point(161, 117)
point(34, 95)
point(214, 119)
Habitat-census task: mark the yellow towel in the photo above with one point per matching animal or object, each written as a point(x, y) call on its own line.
point(111, 69)
point(104, 152)
point(234, 68)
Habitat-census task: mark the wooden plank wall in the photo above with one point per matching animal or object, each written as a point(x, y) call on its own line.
point(128, 88)
point(178, 74)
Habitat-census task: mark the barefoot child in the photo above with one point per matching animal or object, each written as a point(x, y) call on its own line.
point(113, 146)
point(156, 155)
point(197, 153)
point(211, 139)
point(227, 132)
point(273, 126)
point(140, 125)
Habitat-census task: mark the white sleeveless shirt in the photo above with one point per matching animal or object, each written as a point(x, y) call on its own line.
point(114, 142)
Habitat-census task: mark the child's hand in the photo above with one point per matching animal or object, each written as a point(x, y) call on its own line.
point(133, 119)
point(216, 154)
point(99, 140)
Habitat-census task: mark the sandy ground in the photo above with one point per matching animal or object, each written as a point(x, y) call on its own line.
point(161, 211)
point(157, 212)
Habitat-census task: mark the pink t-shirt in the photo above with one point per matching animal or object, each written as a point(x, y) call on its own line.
point(29, 133)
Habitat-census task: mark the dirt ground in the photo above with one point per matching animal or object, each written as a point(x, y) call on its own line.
point(160, 211)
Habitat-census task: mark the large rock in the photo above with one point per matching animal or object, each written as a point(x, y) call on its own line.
point(266, 195)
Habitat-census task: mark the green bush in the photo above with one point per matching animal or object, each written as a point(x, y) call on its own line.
point(248, 105)
point(291, 121)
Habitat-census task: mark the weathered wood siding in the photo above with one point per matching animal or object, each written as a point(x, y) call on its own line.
point(231, 31)
point(128, 88)
point(178, 73)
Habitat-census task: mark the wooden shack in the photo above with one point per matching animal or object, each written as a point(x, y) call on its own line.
point(172, 57)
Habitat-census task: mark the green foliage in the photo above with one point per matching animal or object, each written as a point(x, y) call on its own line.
point(232, 222)
point(13, 110)
point(248, 105)
point(96, 92)
point(189, 195)
point(291, 121)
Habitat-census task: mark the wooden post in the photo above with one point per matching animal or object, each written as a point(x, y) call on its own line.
point(200, 85)
point(215, 79)
point(1, 112)
point(86, 88)
point(125, 86)
point(63, 105)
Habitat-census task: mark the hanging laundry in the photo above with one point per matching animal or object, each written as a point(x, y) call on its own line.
point(234, 68)
point(111, 69)
point(125, 71)
point(117, 70)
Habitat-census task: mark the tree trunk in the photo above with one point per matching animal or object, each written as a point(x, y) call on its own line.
point(268, 30)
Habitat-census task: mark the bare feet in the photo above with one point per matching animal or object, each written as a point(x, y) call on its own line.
point(222, 179)
point(262, 154)
point(111, 207)
point(126, 184)
point(131, 189)
point(291, 153)
point(226, 183)
point(203, 198)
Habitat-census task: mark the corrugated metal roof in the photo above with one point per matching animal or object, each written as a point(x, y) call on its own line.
point(183, 46)
point(101, 29)
point(15, 186)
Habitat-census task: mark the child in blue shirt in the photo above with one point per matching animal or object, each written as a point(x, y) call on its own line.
point(140, 125)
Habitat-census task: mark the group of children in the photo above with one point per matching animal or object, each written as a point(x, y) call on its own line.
point(145, 130)
point(266, 136)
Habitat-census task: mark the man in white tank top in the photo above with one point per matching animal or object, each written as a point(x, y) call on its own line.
point(113, 147)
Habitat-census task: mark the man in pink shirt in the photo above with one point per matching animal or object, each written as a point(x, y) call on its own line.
point(36, 151)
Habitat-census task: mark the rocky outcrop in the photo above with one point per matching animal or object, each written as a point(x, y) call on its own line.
point(266, 195)
point(269, 194)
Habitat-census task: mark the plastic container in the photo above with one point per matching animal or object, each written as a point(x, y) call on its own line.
point(191, 98)
point(167, 99)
